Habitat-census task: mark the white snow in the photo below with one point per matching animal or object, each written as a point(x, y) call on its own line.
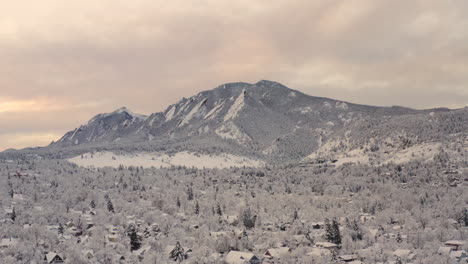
point(292, 94)
point(146, 159)
point(305, 110)
point(231, 131)
point(236, 107)
point(192, 113)
point(169, 114)
point(74, 133)
point(183, 107)
point(424, 152)
point(341, 105)
point(213, 112)
point(132, 114)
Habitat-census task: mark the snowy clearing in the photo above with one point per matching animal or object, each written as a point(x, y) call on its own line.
point(185, 158)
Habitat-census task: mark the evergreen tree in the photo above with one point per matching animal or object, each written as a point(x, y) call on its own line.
point(189, 193)
point(399, 239)
point(248, 219)
point(295, 215)
point(356, 231)
point(178, 202)
point(92, 204)
point(178, 254)
point(60, 229)
point(135, 238)
point(332, 232)
point(13, 214)
point(197, 208)
point(218, 210)
point(110, 206)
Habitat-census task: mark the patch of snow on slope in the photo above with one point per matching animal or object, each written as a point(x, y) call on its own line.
point(169, 115)
point(192, 113)
point(424, 152)
point(185, 158)
point(231, 131)
point(305, 110)
point(341, 105)
point(213, 112)
point(236, 107)
point(132, 114)
point(184, 107)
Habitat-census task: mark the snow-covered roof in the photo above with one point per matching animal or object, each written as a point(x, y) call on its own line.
point(238, 257)
point(326, 245)
point(348, 257)
point(50, 256)
point(458, 254)
point(318, 252)
point(444, 250)
point(8, 242)
point(455, 243)
point(276, 252)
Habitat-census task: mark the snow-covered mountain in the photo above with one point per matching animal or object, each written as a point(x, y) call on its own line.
point(267, 120)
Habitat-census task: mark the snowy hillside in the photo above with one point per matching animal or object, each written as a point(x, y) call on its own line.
point(268, 121)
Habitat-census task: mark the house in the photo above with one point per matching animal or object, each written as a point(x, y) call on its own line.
point(327, 245)
point(218, 234)
point(348, 258)
point(455, 244)
point(317, 225)
point(141, 252)
point(366, 218)
point(268, 226)
point(300, 240)
point(52, 258)
point(88, 254)
point(404, 254)
point(459, 255)
point(8, 212)
point(113, 238)
point(276, 252)
point(238, 257)
point(445, 251)
point(318, 252)
point(8, 242)
point(229, 219)
point(18, 197)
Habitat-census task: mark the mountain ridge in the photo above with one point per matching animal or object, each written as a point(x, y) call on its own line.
point(267, 120)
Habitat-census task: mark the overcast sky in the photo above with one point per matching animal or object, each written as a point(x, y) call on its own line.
point(62, 62)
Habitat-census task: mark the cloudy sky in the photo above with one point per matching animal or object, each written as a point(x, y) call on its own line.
point(61, 62)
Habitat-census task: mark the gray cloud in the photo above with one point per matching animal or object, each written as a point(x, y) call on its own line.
point(147, 54)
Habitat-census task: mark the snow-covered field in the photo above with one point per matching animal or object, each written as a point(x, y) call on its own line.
point(184, 158)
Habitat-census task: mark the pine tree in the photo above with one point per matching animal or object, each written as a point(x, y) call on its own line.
point(332, 232)
point(336, 231)
point(135, 238)
point(197, 208)
point(178, 254)
point(110, 206)
point(218, 210)
point(248, 219)
point(399, 239)
point(189, 193)
point(60, 229)
point(13, 214)
point(178, 202)
point(92, 204)
point(295, 215)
